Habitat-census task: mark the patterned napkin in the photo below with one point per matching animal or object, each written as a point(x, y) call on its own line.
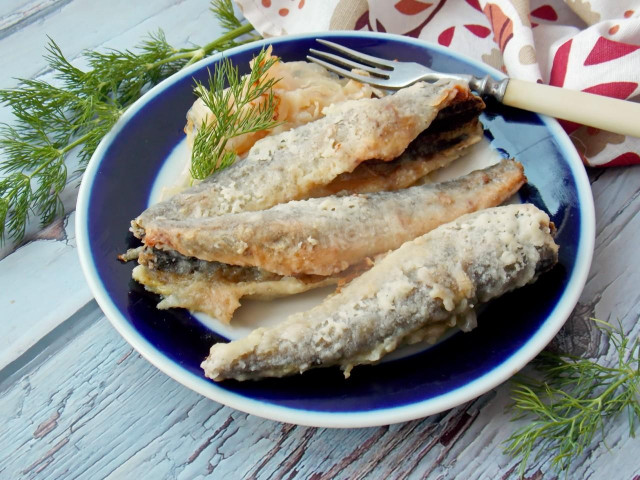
point(589, 45)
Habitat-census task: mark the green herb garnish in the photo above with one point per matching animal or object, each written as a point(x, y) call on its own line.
point(56, 121)
point(238, 105)
point(573, 399)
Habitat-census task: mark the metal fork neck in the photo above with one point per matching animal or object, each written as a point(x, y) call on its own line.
point(489, 86)
point(484, 86)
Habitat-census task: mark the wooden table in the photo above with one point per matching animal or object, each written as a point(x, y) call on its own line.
point(77, 402)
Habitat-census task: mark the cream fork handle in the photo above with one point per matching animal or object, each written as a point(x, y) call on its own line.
point(611, 114)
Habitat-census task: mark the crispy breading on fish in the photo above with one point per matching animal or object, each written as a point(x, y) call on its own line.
point(433, 279)
point(427, 153)
point(215, 288)
point(324, 236)
point(218, 297)
point(288, 165)
point(452, 132)
point(300, 95)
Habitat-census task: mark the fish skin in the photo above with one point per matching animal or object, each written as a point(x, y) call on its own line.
point(437, 277)
point(215, 288)
point(427, 153)
point(215, 295)
point(452, 132)
point(211, 287)
point(286, 166)
point(324, 236)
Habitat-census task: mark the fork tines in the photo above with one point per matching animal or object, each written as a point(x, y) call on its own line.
point(376, 68)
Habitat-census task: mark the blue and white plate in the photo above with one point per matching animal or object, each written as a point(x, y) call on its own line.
point(124, 172)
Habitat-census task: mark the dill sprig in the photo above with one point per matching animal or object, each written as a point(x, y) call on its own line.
point(223, 11)
point(239, 105)
point(71, 115)
point(573, 400)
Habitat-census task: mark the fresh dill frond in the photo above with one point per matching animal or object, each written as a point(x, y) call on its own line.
point(573, 400)
point(238, 105)
point(223, 10)
point(71, 115)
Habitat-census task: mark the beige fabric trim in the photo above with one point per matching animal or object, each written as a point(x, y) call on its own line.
point(346, 13)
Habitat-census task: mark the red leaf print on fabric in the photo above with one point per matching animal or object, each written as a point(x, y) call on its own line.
point(501, 24)
point(478, 30)
point(266, 3)
point(363, 21)
point(628, 158)
point(606, 50)
point(545, 12)
point(417, 30)
point(380, 26)
point(411, 7)
point(559, 67)
point(283, 12)
point(620, 90)
point(446, 36)
point(475, 4)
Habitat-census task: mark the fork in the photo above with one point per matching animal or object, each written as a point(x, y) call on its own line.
point(618, 116)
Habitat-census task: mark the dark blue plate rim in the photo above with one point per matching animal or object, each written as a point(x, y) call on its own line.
point(373, 417)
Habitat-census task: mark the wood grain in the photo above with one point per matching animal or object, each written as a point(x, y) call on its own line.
point(41, 285)
point(15, 15)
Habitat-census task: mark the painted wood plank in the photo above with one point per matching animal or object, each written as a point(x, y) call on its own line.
point(78, 26)
point(41, 285)
point(18, 14)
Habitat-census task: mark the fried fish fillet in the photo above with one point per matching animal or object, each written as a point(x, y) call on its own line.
point(215, 288)
point(452, 132)
point(216, 296)
point(288, 165)
point(427, 153)
point(431, 280)
point(324, 236)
